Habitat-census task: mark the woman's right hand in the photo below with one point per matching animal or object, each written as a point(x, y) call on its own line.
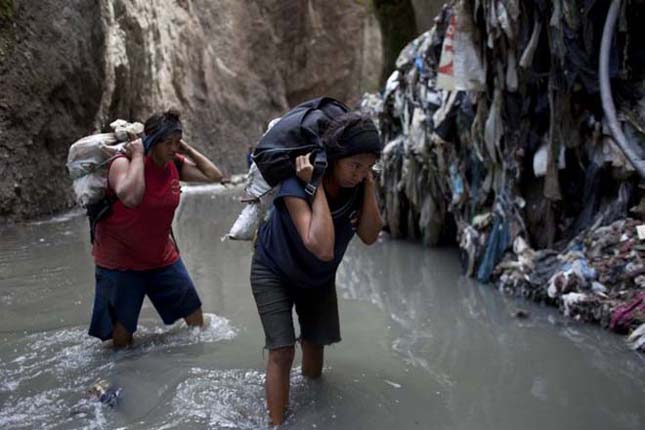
point(304, 169)
point(134, 147)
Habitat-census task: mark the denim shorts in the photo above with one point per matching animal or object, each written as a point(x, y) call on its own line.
point(317, 309)
point(119, 296)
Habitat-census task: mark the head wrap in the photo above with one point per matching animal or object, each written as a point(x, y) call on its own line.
point(168, 127)
point(360, 139)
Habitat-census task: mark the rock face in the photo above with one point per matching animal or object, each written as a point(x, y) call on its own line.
point(312, 33)
point(425, 11)
point(397, 20)
point(51, 71)
point(401, 21)
point(68, 68)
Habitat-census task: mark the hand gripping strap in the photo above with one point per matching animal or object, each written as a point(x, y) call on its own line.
point(320, 165)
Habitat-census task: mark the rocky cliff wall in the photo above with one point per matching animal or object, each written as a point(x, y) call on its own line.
point(68, 68)
point(425, 11)
point(334, 32)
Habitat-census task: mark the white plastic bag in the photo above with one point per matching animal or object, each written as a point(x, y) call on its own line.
point(87, 163)
point(246, 223)
point(88, 159)
point(460, 66)
point(259, 198)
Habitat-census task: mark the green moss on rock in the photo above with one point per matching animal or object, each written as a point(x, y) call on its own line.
point(6, 10)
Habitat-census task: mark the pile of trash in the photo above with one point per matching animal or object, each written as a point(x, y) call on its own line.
point(598, 278)
point(501, 129)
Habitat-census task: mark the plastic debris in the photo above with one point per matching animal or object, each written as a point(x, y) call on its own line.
point(641, 232)
point(636, 339)
point(520, 314)
point(516, 155)
point(106, 393)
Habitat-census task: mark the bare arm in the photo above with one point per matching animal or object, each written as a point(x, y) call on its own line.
point(127, 175)
point(314, 224)
point(198, 168)
point(370, 222)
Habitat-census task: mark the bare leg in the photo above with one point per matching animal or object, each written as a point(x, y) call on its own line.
point(312, 359)
point(121, 337)
point(277, 382)
point(196, 319)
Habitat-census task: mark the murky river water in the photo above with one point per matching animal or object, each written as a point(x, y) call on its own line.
point(422, 346)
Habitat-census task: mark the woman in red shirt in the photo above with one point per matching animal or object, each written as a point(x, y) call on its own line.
point(133, 250)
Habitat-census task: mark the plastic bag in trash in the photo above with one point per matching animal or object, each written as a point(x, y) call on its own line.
point(460, 66)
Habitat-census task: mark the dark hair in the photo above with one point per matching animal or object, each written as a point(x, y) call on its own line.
point(156, 120)
point(334, 136)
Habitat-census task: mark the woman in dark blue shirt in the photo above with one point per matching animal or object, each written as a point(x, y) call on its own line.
point(301, 245)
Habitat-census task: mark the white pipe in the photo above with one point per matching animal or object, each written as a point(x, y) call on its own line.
point(605, 91)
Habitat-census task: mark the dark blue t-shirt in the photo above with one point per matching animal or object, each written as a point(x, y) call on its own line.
point(281, 249)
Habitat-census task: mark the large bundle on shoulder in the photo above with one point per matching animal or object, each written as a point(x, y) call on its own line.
point(297, 132)
point(88, 160)
point(89, 157)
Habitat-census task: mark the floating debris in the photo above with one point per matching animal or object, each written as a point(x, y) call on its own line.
point(520, 314)
point(393, 384)
point(106, 393)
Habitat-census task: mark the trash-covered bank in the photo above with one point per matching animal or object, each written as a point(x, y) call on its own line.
point(519, 127)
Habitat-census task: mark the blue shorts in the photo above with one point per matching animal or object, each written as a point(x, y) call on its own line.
point(119, 296)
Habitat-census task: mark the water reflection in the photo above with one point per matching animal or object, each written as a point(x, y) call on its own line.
point(485, 360)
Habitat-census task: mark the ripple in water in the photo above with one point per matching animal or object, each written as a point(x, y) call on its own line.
point(44, 377)
point(64, 217)
point(228, 399)
point(215, 329)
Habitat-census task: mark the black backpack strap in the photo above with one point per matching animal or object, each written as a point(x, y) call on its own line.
point(320, 165)
point(97, 211)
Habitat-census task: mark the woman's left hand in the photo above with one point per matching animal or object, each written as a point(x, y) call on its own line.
point(304, 169)
point(369, 178)
point(196, 167)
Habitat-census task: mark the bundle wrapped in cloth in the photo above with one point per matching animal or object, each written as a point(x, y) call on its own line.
point(88, 159)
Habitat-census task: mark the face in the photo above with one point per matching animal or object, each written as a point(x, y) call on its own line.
point(166, 149)
point(351, 171)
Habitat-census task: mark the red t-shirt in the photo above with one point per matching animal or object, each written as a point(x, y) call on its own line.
point(139, 238)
